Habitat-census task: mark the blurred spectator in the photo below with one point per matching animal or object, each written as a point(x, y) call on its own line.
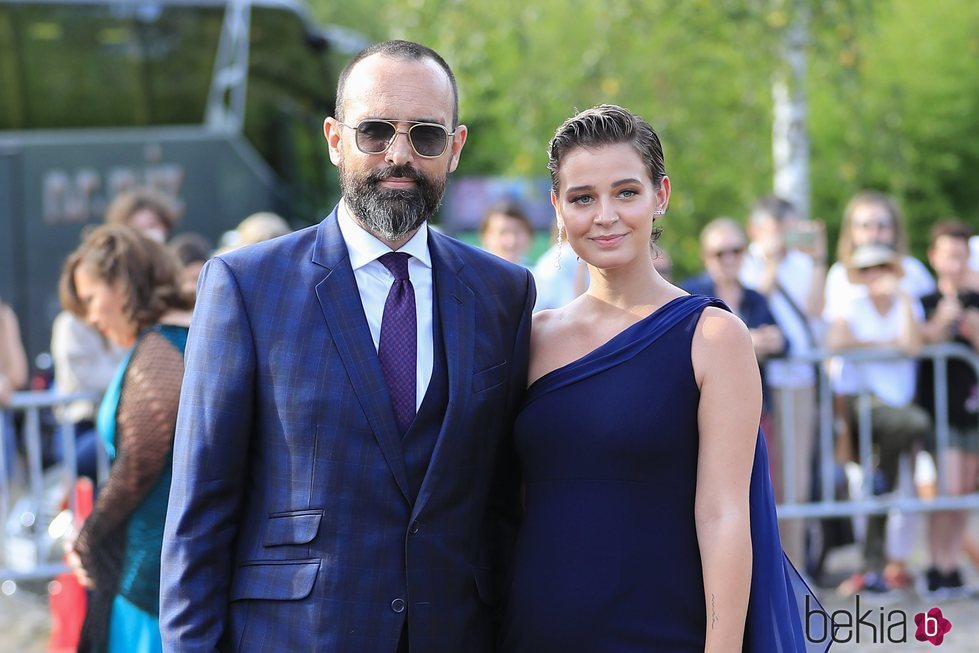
point(13, 377)
point(786, 262)
point(885, 315)
point(84, 361)
point(128, 287)
point(192, 251)
point(559, 274)
point(872, 217)
point(953, 315)
point(506, 231)
point(255, 228)
point(722, 248)
point(972, 278)
point(13, 359)
point(145, 209)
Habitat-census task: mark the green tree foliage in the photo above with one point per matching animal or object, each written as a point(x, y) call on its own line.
point(900, 112)
point(893, 92)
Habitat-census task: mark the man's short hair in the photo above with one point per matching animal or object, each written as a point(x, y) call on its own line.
point(509, 208)
point(773, 206)
point(950, 228)
point(405, 51)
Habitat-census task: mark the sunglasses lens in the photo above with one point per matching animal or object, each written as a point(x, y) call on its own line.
point(428, 140)
point(732, 252)
point(373, 136)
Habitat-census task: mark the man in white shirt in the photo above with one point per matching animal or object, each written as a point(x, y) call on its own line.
point(344, 477)
point(786, 262)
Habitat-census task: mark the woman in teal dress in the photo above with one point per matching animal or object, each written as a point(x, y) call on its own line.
point(128, 287)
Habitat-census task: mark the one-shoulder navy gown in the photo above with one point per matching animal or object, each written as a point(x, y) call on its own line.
point(607, 559)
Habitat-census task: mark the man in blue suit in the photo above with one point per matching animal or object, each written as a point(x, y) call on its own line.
point(343, 476)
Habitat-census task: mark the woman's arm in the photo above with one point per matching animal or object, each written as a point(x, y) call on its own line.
point(910, 340)
point(13, 359)
point(728, 415)
point(145, 424)
point(839, 336)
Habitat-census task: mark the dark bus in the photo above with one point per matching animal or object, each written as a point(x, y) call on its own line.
point(218, 103)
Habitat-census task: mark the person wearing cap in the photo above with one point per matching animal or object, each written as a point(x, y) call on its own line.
point(872, 217)
point(883, 316)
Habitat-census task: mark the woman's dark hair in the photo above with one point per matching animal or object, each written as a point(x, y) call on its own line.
point(129, 202)
point(607, 124)
point(190, 247)
point(149, 274)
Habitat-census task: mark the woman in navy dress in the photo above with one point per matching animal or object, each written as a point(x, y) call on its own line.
point(649, 523)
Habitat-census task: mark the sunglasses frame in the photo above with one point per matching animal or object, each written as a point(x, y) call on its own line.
point(406, 132)
point(728, 251)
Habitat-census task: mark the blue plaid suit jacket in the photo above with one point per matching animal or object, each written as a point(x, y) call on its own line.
point(290, 524)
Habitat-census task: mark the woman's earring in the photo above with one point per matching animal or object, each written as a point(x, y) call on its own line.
point(659, 212)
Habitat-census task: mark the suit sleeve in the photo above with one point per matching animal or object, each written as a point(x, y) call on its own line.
point(214, 427)
point(505, 505)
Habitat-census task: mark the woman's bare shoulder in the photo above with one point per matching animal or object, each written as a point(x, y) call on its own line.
point(721, 343)
point(553, 339)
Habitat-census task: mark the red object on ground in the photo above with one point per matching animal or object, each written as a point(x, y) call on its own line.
point(68, 605)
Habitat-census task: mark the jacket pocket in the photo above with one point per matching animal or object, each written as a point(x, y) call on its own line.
point(490, 377)
point(292, 528)
point(484, 584)
point(277, 581)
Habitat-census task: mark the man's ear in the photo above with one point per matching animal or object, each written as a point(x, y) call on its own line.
point(332, 131)
point(458, 141)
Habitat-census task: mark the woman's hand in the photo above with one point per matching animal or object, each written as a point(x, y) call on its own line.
point(767, 340)
point(75, 562)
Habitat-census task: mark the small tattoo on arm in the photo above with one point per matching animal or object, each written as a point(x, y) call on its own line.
point(713, 612)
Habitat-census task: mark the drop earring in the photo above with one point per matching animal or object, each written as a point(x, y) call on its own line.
point(560, 244)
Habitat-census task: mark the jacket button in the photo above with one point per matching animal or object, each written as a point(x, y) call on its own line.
point(414, 528)
point(398, 605)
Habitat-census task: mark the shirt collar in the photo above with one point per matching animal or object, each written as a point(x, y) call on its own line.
point(364, 247)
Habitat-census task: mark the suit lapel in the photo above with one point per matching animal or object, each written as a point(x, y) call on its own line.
point(457, 311)
point(344, 314)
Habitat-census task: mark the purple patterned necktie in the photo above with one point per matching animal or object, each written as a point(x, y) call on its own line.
point(398, 345)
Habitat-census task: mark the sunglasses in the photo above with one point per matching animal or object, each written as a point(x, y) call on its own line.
point(882, 267)
point(879, 225)
point(730, 251)
point(429, 140)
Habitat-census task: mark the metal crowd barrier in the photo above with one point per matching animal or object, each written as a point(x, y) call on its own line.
point(793, 508)
point(26, 526)
point(33, 564)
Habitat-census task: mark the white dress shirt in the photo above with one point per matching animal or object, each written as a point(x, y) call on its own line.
point(794, 274)
point(374, 281)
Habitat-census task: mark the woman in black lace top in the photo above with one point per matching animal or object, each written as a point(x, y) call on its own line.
point(128, 287)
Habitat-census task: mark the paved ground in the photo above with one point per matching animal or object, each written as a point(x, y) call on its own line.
point(25, 623)
point(962, 613)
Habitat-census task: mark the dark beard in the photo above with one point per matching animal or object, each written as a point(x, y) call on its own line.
point(391, 214)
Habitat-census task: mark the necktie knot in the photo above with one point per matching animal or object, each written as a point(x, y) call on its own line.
point(397, 264)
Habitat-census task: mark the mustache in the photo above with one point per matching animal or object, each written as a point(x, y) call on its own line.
point(404, 171)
